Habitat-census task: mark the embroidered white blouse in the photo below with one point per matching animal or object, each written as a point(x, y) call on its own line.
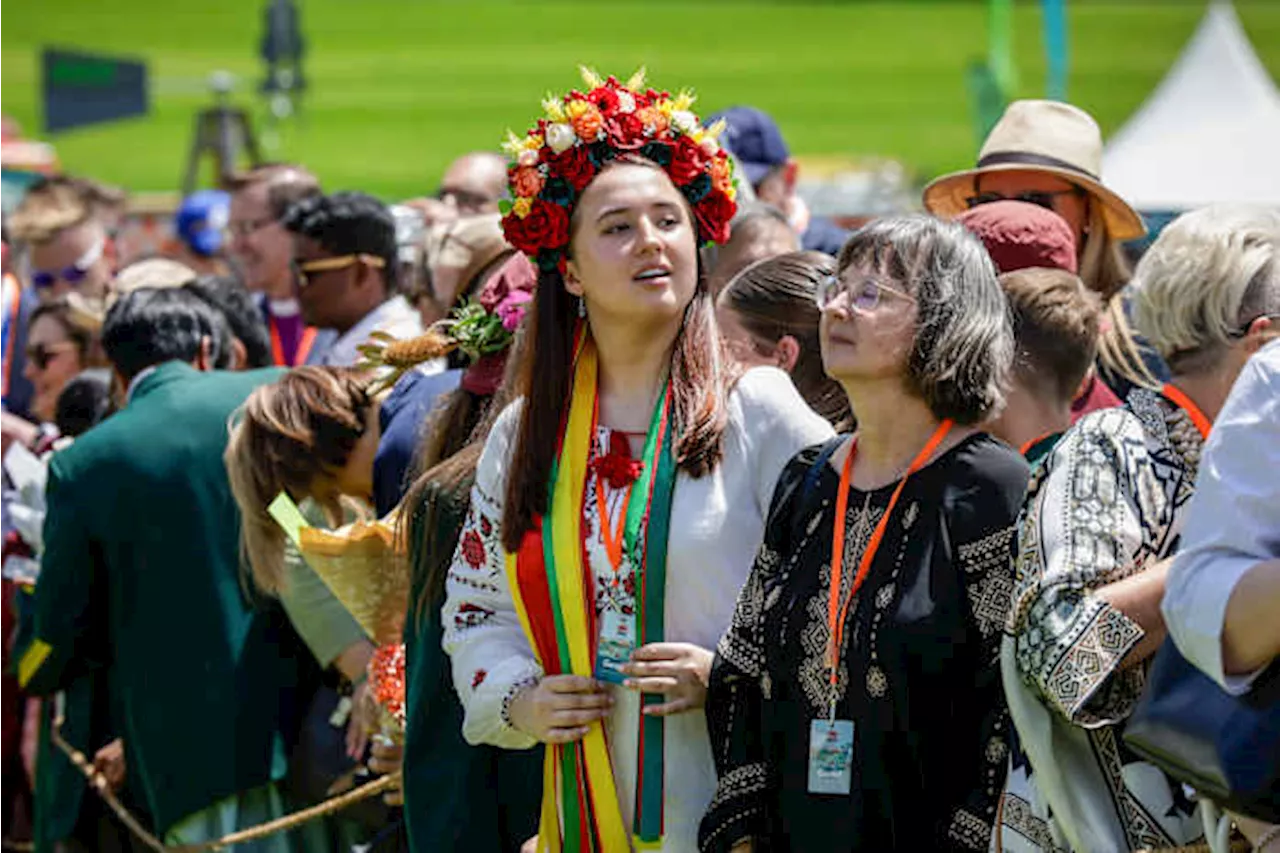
point(717, 523)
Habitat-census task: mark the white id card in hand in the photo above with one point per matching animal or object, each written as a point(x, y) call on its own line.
point(830, 756)
point(617, 642)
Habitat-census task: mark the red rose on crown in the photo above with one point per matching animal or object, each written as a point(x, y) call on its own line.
point(713, 214)
point(545, 227)
point(688, 161)
point(605, 98)
point(575, 166)
point(626, 131)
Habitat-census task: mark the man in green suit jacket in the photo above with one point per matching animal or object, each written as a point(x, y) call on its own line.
point(141, 576)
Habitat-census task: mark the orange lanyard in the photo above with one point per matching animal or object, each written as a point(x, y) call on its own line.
point(1182, 401)
point(277, 345)
point(1033, 442)
point(612, 538)
point(837, 612)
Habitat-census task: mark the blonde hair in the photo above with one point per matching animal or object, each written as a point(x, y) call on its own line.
point(284, 437)
point(56, 204)
point(1193, 285)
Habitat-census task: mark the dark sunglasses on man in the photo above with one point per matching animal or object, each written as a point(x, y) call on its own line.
point(303, 271)
point(73, 274)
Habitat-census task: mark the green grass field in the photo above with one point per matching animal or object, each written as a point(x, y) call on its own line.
point(399, 87)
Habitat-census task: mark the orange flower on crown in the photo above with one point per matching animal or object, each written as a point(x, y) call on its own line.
point(722, 176)
point(585, 119)
point(582, 133)
point(527, 182)
point(654, 122)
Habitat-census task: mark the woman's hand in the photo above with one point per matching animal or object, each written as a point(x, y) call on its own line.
point(560, 708)
point(743, 847)
point(110, 762)
point(387, 757)
point(679, 671)
point(364, 716)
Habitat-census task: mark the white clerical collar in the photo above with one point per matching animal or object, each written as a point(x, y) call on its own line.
point(283, 307)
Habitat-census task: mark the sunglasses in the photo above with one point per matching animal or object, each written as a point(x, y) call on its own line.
point(864, 294)
point(42, 355)
point(304, 271)
point(73, 274)
point(1040, 198)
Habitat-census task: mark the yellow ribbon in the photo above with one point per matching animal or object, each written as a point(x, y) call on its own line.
point(566, 529)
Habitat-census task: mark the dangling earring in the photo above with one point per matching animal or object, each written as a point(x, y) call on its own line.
point(582, 308)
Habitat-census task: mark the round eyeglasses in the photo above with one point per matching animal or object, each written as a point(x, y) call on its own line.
point(864, 292)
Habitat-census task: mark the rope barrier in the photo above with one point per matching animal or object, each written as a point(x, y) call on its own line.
point(99, 783)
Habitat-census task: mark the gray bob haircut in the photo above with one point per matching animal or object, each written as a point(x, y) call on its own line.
point(963, 350)
point(1209, 272)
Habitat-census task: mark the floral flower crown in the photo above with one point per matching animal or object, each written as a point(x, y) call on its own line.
point(582, 133)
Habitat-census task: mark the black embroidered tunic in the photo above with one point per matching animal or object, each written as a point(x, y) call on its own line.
point(918, 674)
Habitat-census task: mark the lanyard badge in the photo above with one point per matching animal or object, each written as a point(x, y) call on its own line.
point(831, 740)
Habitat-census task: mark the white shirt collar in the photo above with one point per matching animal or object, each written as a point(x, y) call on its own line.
point(396, 317)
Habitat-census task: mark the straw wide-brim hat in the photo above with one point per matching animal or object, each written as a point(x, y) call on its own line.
point(1040, 136)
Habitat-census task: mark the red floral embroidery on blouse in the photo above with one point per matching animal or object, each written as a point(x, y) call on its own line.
point(470, 615)
point(473, 549)
point(478, 678)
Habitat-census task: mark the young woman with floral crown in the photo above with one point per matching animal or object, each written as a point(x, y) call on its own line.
point(618, 503)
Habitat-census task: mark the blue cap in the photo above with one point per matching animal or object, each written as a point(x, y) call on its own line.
point(201, 219)
point(752, 136)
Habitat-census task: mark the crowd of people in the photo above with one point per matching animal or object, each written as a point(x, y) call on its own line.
point(724, 528)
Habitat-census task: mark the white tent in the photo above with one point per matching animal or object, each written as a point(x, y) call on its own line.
point(1209, 133)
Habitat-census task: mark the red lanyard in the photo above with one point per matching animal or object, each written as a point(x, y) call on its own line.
point(277, 346)
point(1182, 401)
point(837, 612)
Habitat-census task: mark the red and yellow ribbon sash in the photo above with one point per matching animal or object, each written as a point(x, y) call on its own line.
point(553, 593)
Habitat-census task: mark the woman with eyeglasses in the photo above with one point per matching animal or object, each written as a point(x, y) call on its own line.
point(855, 701)
point(1049, 154)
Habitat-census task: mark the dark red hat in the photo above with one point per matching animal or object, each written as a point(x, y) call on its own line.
point(1019, 235)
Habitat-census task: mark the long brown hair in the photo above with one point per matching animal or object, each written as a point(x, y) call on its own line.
point(285, 436)
point(446, 461)
point(701, 375)
point(774, 298)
